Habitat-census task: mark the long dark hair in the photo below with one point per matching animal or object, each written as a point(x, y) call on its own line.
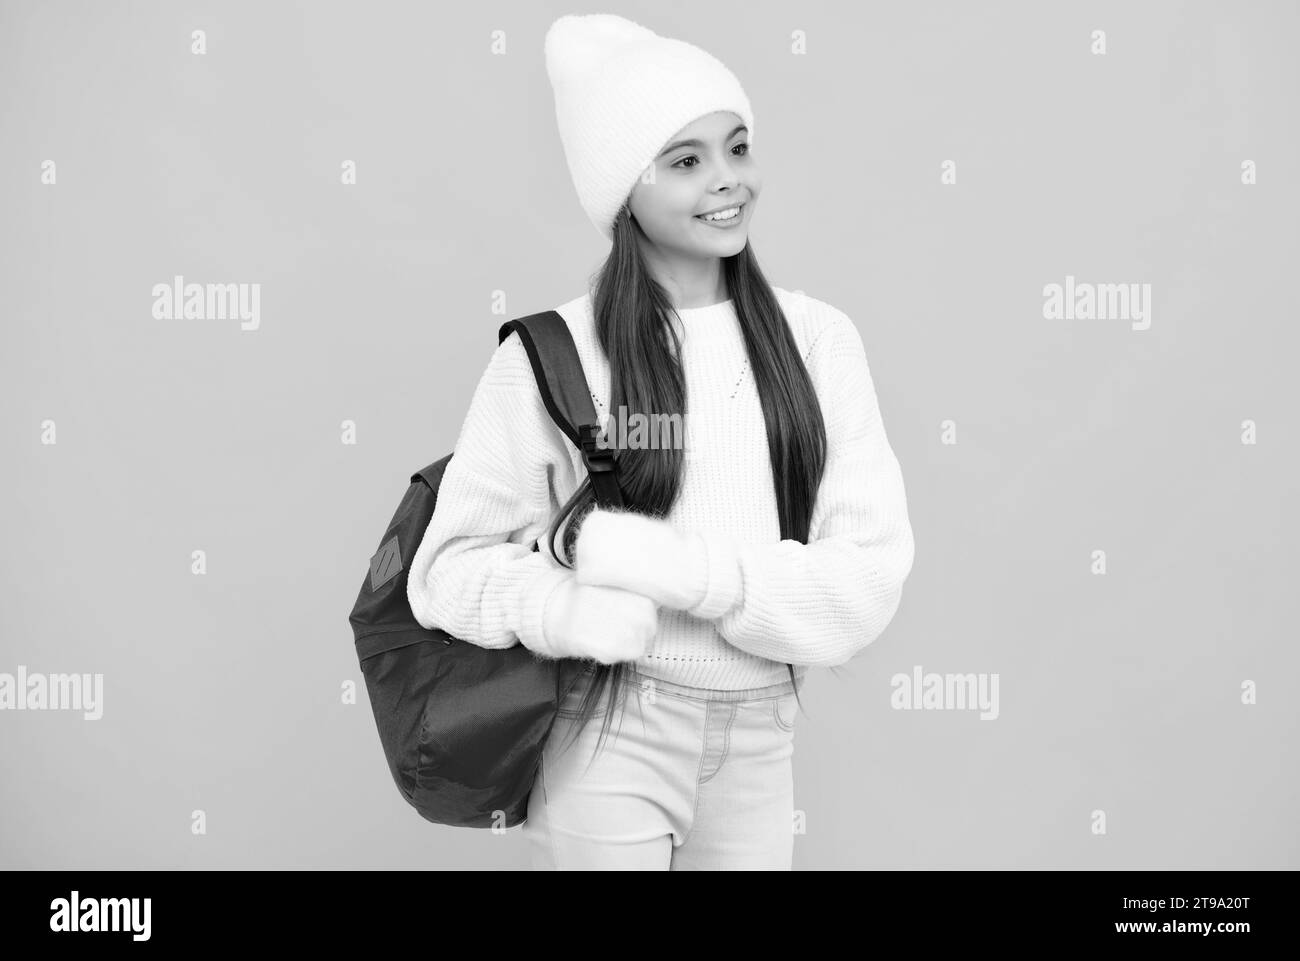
point(631, 310)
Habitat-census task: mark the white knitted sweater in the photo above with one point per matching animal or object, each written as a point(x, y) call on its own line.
point(476, 576)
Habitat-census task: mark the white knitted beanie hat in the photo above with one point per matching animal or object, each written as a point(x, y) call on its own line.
point(621, 91)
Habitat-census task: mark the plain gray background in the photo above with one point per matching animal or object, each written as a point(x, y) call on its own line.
point(1118, 692)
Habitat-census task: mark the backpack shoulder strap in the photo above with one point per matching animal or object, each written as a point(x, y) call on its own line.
point(557, 368)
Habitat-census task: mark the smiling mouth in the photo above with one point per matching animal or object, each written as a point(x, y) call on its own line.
point(735, 211)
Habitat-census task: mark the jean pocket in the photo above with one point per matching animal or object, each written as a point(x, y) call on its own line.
point(571, 703)
point(784, 709)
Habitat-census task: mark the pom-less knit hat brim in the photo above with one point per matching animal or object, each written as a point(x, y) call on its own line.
point(621, 91)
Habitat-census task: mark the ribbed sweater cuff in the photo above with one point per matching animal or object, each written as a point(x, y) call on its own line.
point(534, 594)
point(719, 563)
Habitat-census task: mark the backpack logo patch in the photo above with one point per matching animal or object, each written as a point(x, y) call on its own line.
point(386, 564)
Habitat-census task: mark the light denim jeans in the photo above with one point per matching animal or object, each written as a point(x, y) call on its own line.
point(687, 779)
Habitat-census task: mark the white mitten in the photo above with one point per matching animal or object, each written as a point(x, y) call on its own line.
point(606, 624)
point(648, 555)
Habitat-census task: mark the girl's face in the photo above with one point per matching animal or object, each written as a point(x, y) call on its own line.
point(714, 172)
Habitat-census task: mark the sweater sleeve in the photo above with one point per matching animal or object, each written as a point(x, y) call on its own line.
point(820, 603)
point(475, 574)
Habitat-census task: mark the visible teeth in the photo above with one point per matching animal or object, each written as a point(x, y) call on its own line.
point(723, 214)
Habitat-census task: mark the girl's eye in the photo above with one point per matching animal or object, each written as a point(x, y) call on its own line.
point(693, 157)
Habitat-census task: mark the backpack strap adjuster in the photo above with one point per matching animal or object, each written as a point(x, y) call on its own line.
point(600, 467)
point(598, 459)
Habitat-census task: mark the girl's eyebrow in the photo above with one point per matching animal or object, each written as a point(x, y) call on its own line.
point(699, 143)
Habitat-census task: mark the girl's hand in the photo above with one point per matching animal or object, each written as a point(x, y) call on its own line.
point(644, 554)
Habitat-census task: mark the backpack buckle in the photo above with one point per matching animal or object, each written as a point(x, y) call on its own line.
point(600, 468)
point(599, 460)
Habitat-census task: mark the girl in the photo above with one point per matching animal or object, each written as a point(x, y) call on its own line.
point(771, 538)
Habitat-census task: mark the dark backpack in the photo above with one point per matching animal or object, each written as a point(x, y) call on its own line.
point(463, 726)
